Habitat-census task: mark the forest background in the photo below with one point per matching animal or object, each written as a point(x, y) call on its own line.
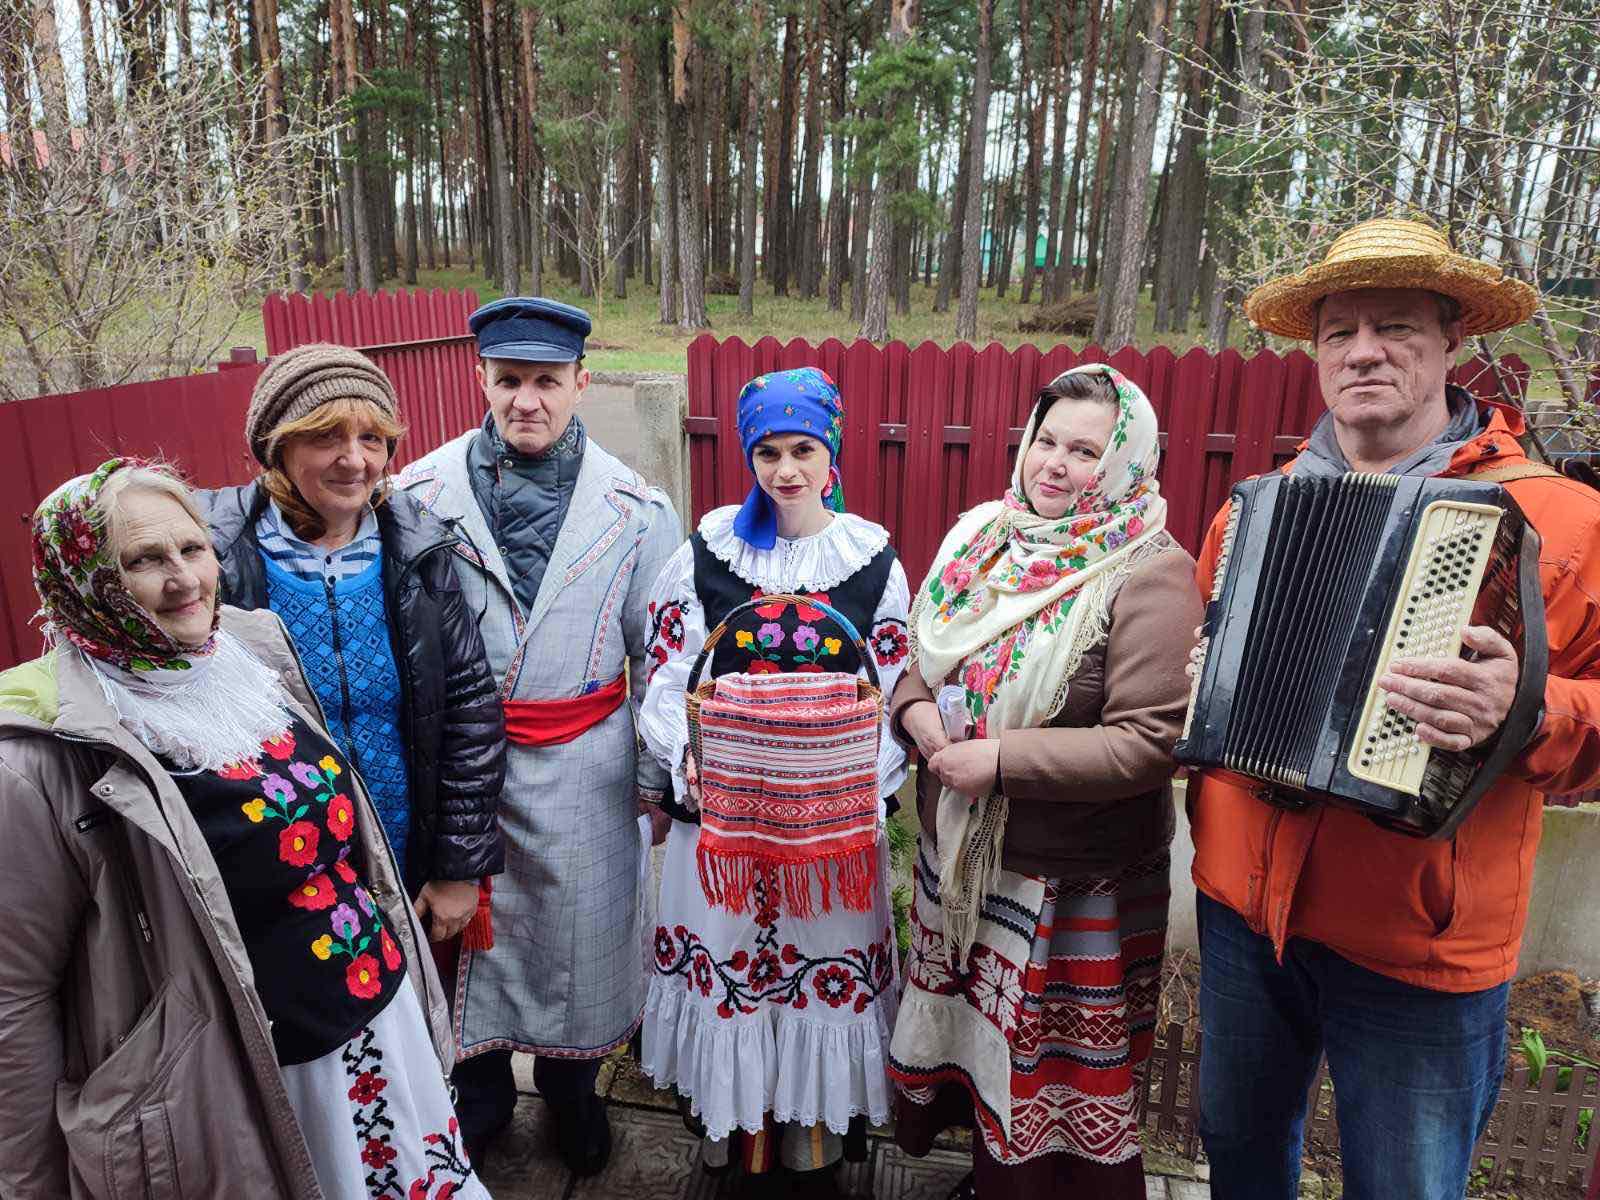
point(1115, 170)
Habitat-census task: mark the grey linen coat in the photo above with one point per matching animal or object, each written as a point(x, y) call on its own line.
point(135, 1053)
point(566, 976)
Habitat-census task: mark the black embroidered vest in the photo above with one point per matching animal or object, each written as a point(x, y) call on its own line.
point(780, 638)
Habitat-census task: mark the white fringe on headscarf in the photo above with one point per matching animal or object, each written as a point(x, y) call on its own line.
point(216, 713)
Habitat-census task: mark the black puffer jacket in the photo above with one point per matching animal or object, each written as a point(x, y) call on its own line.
point(450, 712)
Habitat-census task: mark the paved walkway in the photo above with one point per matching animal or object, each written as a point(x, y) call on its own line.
point(653, 1156)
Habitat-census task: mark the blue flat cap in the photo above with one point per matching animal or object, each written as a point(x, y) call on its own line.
point(530, 329)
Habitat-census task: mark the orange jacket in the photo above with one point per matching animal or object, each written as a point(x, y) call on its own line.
point(1440, 915)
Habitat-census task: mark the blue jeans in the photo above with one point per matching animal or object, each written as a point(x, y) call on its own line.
point(1415, 1072)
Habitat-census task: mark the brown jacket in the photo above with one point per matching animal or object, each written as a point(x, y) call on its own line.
point(135, 1054)
point(1091, 792)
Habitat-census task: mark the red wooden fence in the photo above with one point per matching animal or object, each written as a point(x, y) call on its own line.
point(929, 431)
point(419, 338)
point(195, 421)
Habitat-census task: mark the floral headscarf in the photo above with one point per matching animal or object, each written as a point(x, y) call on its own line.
point(1012, 603)
point(83, 597)
point(803, 400)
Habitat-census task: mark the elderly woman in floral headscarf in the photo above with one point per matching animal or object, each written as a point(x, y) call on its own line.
point(1052, 631)
point(768, 1015)
point(211, 982)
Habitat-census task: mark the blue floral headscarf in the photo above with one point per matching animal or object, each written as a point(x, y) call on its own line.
point(803, 400)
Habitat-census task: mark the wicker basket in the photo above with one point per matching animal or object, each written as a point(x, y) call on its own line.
point(698, 690)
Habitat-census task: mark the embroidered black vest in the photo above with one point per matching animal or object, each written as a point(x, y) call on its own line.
point(779, 638)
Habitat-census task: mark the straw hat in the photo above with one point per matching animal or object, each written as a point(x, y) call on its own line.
point(1392, 254)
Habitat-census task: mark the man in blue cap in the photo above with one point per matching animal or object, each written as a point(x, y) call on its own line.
point(560, 544)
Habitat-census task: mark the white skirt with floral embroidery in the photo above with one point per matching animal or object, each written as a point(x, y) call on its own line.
point(376, 1114)
point(762, 1012)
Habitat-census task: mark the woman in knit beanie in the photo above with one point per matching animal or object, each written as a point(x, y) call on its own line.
point(362, 578)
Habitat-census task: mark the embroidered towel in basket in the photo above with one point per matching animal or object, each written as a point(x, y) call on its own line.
point(789, 790)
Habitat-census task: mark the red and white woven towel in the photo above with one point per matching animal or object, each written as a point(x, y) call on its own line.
point(789, 791)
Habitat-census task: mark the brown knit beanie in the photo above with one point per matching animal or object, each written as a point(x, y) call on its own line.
point(299, 381)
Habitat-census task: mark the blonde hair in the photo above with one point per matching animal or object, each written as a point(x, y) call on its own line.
point(157, 477)
point(343, 413)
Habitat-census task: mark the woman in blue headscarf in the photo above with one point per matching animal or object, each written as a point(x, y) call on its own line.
point(765, 1018)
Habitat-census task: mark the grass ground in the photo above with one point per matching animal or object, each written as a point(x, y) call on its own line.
point(627, 336)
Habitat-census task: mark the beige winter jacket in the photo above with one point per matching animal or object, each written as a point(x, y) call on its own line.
point(135, 1058)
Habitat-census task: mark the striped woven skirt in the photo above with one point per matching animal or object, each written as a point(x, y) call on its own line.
point(1038, 1044)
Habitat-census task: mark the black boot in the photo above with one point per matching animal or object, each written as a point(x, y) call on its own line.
point(583, 1134)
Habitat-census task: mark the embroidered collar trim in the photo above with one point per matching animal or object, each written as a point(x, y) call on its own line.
point(814, 564)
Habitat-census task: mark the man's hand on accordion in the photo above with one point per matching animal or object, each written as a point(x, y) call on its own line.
point(1456, 702)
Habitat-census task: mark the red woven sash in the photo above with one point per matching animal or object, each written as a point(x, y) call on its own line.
point(789, 779)
point(555, 722)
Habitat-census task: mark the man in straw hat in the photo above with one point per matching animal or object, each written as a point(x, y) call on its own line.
point(1321, 931)
point(560, 544)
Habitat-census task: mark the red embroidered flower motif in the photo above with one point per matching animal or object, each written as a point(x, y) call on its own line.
point(834, 985)
point(344, 871)
point(764, 971)
point(810, 612)
point(665, 951)
point(762, 667)
point(391, 952)
point(803, 668)
point(702, 974)
point(769, 612)
point(280, 747)
point(245, 768)
point(297, 845)
point(790, 954)
point(315, 894)
point(378, 1154)
point(889, 643)
point(361, 977)
point(672, 626)
point(367, 1088)
point(341, 817)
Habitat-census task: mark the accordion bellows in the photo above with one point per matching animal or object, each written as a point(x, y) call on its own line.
point(789, 792)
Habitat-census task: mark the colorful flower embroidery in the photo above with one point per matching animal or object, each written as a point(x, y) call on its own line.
point(280, 747)
point(341, 817)
point(297, 845)
point(834, 984)
point(345, 923)
point(247, 768)
point(315, 894)
point(361, 977)
point(777, 973)
point(323, 947)
point(390, 951)
point(256, 810)
point(890, 643)
point(343, 870)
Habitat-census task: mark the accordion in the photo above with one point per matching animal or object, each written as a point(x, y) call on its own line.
point(1321, 583)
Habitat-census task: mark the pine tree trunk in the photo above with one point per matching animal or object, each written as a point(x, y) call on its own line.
point(971, 249)
point(1102, 171)
point(1066, 264)
point(1006, 231)
point(747, 175)
point(1251, 29)
point(1036, 113)
point(779, 244)
point(689, 177)
point(510, 273)
point(837, 194)
point(1060, 31)
point(1133, 198)
point(950, 259)
point(811, 186)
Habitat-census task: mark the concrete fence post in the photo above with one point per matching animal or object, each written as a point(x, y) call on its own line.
point(660, 405)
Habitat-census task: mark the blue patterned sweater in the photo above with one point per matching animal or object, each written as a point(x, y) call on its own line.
point(349, 661)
